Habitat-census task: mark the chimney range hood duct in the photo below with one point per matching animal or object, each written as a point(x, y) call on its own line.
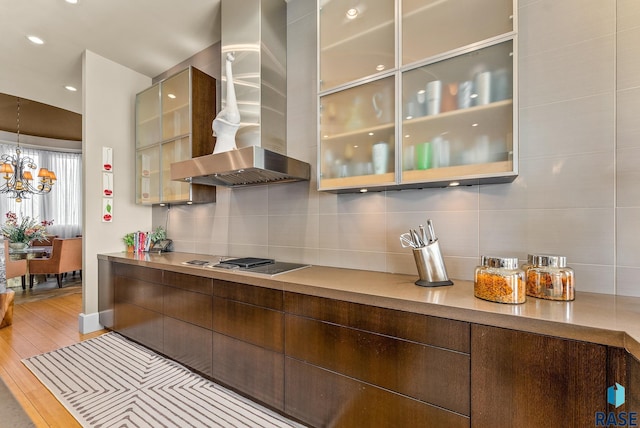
point(255, 31)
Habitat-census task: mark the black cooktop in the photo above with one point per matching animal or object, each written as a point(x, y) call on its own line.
point(248, 262)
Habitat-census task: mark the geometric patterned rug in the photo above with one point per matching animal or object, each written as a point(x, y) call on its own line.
point(109, 381)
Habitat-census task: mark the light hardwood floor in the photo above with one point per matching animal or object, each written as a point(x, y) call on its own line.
point(40, 326)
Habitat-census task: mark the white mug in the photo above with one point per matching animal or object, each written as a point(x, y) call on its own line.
point(434, 96)
point(380, 157)
point(465, 89)
point(483, 88)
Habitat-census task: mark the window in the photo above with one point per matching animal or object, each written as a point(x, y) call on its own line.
point(64, 204)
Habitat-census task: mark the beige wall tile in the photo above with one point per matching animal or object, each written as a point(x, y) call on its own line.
point(572, 119)
point(580, 70)
point(551, 24)
point(572, 126)
point(628, 125)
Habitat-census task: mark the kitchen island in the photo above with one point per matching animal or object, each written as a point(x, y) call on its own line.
point(341, 347)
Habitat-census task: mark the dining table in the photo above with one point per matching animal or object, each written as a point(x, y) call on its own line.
point(27, 253)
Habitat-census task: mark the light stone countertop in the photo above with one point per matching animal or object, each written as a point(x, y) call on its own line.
point(598, 318)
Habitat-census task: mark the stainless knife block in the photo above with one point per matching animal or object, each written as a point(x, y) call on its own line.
point(430, 266)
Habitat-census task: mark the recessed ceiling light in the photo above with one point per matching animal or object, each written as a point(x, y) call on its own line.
point(72, 1)
point(352, 13)
point(35, 40)
point(172, 96)
point(70, 88)
point(380, 67)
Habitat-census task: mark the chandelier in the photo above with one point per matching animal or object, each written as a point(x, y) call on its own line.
point(18, 180)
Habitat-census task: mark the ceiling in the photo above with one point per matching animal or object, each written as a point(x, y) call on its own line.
point(148, 36)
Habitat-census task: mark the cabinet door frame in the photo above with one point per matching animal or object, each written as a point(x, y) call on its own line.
point(478, 173)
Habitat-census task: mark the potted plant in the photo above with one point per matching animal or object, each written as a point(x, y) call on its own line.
point(158, 235)
point(22, 233)
point(129, 241)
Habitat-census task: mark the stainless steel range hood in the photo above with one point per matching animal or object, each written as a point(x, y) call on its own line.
point(243, 167)
point(255, 31)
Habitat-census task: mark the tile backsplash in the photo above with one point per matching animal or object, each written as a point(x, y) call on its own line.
point(577, 192)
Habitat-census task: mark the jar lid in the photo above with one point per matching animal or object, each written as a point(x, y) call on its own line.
point(500, 262)
point(550, 260)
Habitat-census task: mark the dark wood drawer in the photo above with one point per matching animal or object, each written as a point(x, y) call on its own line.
point(189, 344)
point(250, 369)
point(425, 329)
point(197, 284)
point(433, 375)
point(140, 324)
point(194, 308)
point(141, 293)
point(138, 272)
point(253, 324)
point(259, 296)
point(322, 398)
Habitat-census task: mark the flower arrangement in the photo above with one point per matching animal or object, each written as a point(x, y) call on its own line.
point(26, 230)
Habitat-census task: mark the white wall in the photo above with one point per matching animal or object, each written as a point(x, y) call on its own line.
point(108, 115)
point(577, 193)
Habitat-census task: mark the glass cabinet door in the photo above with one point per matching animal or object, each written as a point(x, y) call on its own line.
point(447, 25)
point(148, 179)
point(357, 135)
point(148, 117)
point(457, 116)
point(174, 151)
point(175, 106)
point(357, 39)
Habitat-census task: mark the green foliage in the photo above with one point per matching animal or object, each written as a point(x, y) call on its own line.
point(129, 239)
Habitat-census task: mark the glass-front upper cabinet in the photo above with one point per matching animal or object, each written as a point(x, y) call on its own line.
point(416, 93)
point(173, 123)
point(457, 116)
point(176, 119)
point(357, 128)
point(174, 151)
point(148, 116)
point(356, 38)
point(433, 27)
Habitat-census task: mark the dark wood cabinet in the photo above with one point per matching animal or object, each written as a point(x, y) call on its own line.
point(137, 299)
point(329, 362)
point(531, 380)
point(624, 369)
point(248, 340)
point(252, 370)
point(322, 398)
point(352, 345)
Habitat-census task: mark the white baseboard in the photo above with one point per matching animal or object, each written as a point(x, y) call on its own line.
point(88, 323)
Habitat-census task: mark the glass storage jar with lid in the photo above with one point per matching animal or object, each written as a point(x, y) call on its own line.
point(498, 279)
point(548, 277)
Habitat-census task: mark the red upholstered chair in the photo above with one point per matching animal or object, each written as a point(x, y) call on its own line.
point(14, 268)
point(66, 256)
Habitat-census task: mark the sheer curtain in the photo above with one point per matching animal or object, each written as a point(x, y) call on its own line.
point(63, 204)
